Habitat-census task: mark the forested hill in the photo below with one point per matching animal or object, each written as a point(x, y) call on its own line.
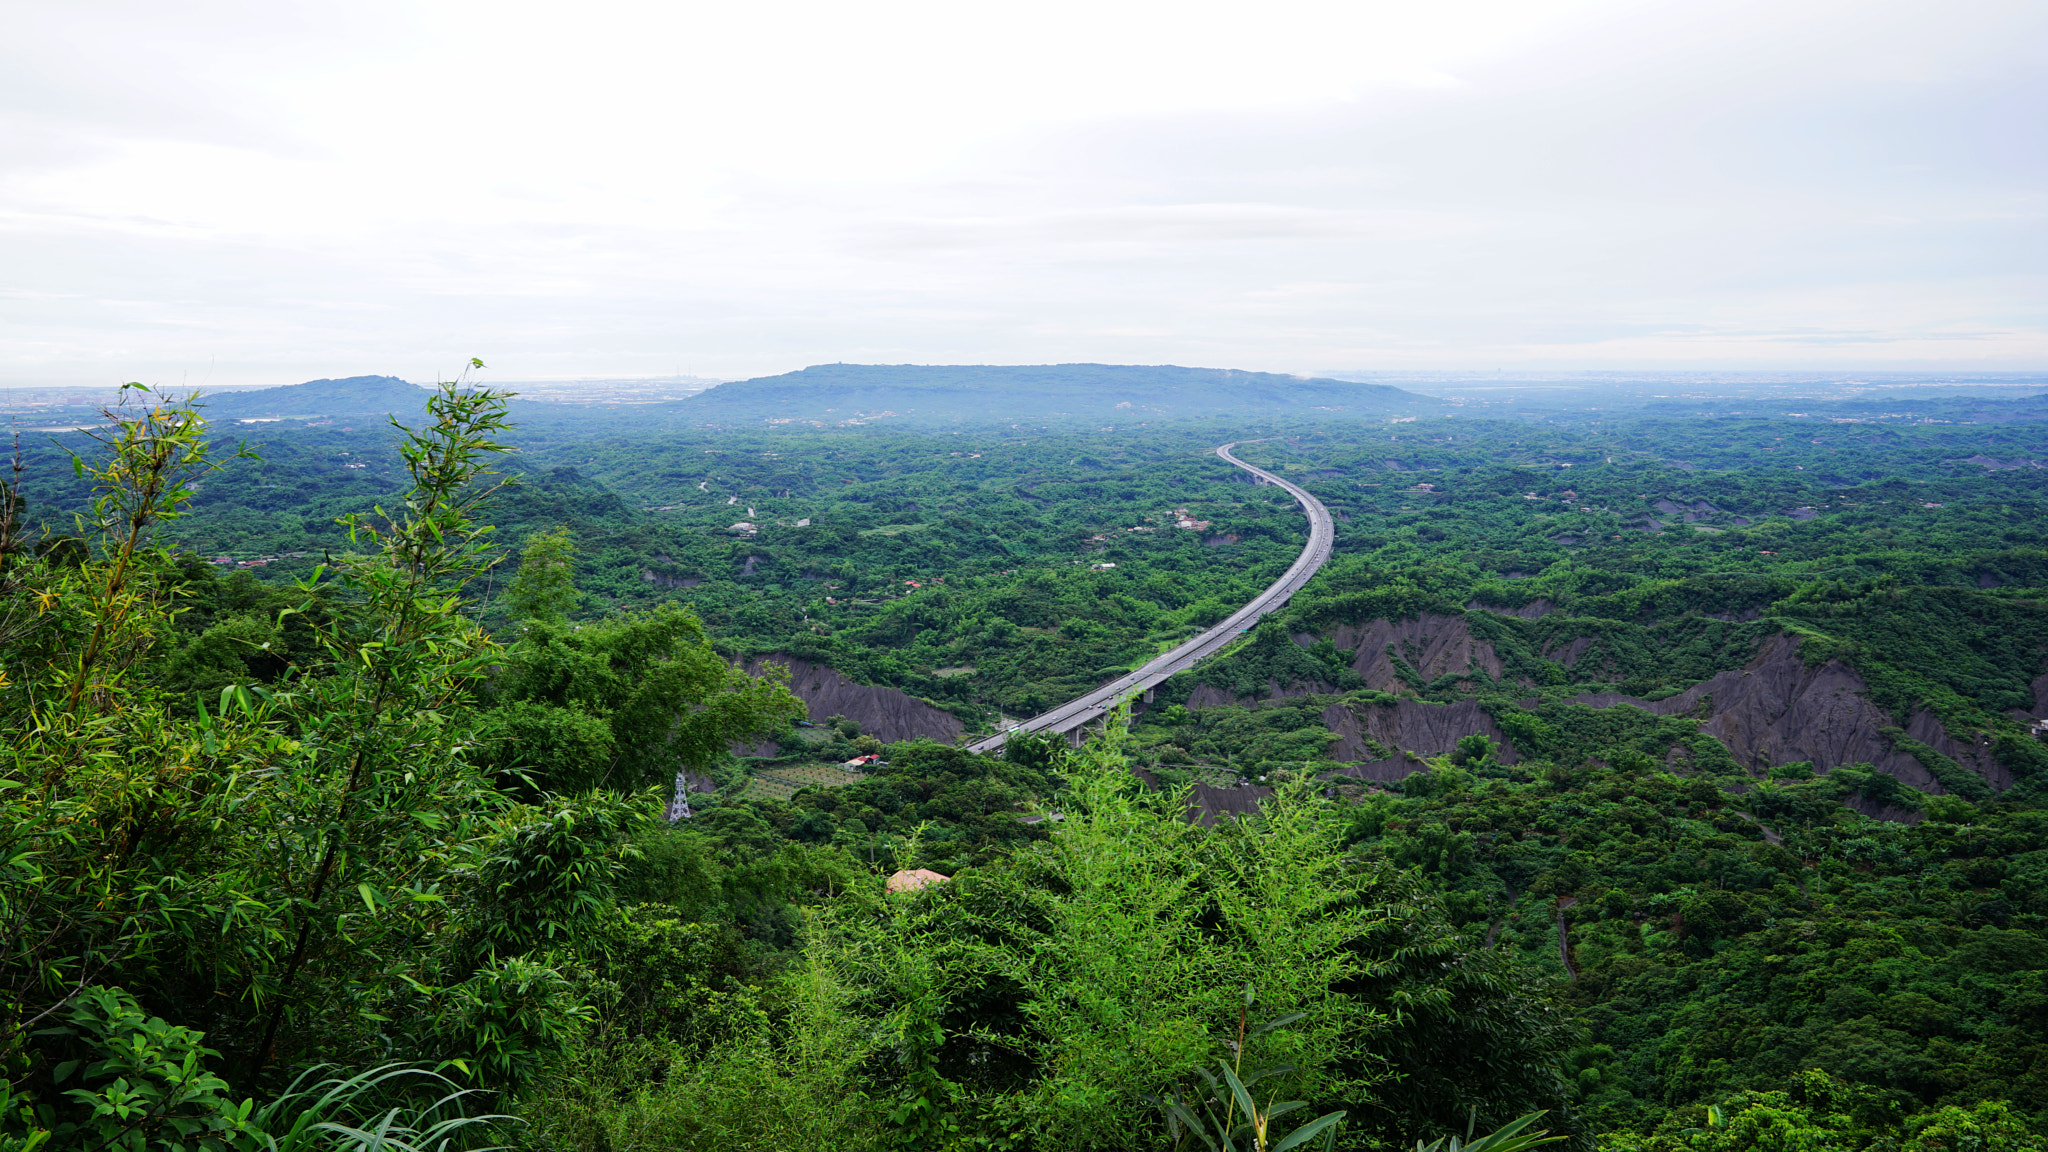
point(979, 393)
point(1679, 776)
point(353, 396)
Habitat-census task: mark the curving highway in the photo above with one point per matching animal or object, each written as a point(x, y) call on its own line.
point(1092, 706)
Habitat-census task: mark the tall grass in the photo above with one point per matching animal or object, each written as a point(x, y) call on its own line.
point(356, 1114)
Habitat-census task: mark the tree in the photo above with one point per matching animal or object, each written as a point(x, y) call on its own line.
point(626, 703)
point(302, 871)
point(96, 779)
point(375, 758)
point(1819, 1113)
point(544, 588)
point(1988, 1125)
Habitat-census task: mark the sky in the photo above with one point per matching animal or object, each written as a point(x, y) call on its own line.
point(240, 194)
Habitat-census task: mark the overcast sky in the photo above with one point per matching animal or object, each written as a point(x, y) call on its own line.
point(260, 193)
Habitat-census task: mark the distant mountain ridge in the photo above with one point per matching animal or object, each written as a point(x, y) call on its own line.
point(1124, 393)
point(831, 394)
point(347, 397)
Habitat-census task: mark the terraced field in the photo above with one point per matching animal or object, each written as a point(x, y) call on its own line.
point(780, 783)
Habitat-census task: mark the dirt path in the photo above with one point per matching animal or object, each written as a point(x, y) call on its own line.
point(1771, 835)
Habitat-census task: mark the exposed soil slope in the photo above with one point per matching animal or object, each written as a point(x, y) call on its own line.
point(1399, 766)
point(1210, 696)
point(1411, 726)
point(1778, 709)
point(884, 713)
point(1383, 740)
point(1434, 646)
point(1209, 804)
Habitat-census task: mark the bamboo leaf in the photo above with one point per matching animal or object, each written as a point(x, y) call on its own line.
point(1307, 1132)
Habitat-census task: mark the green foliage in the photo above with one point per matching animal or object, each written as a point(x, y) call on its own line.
point(969, 806)
point(1120, 986)
point(546, 873)
point(313, 869)
point(142, 1084)
point(1953, 776)
point(544, 588)
point(100, 621)
point(1253, 741)
point(1512, 1138)
point(134, 1082)
point(1271, 661)
point(665, 699)
point(1707, 959)
point(1053, 993)
point(1000, 536)
point(729, 1076)
point(1226, 1115)
point(342, 824)
point(1819, 1113)
point(1989, 1125)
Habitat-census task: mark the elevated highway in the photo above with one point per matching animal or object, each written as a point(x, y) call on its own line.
point(1322, 532)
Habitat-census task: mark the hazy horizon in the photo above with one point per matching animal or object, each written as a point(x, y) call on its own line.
point(261, 194)
point(1582, 386)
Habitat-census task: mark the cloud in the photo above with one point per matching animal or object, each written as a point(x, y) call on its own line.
point(294, 190)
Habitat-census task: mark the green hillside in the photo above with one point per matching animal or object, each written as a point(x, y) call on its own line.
point(1678, 777)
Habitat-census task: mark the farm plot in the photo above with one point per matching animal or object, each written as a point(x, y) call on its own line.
point(780, 783)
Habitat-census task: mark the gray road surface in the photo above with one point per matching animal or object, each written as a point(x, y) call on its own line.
point(1092, 706)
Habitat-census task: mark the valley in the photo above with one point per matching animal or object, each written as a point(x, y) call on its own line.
point(1694, 757)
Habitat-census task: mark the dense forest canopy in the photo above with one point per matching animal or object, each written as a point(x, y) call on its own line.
point(593, 779)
